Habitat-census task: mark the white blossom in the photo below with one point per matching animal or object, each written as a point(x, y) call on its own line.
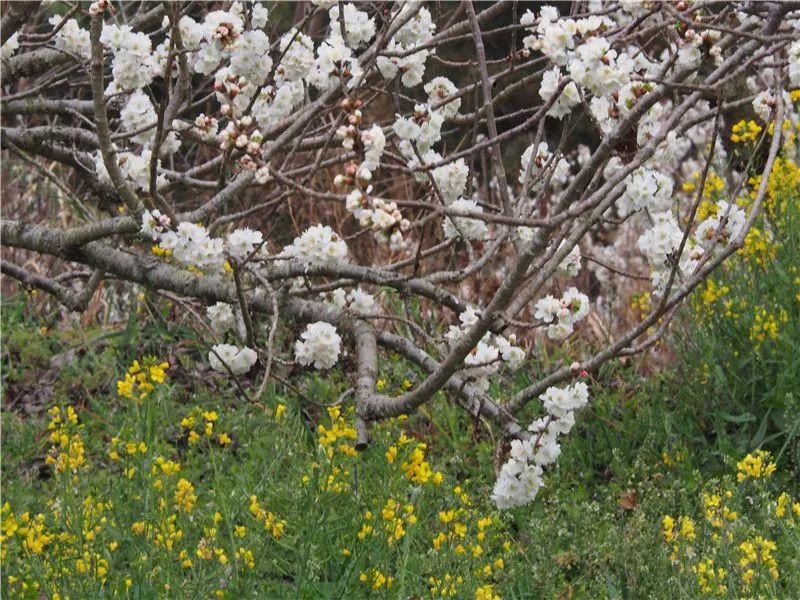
point(221, 317)
point(317, 245)
point(241, 242)
point(239, 361)
point(465, 227)
point(319, 345)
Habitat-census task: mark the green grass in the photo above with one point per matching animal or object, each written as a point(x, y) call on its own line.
point(586, 536)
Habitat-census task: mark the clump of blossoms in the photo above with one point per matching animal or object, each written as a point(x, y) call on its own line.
point(225, 358)
point(464, 227)
point(562, 315)
point(319, 345)
point(221, 317)
point(317, 246)
point(382, 217)
point(141, 379)
point(200, 424)
point(133, 65)
point(192, 246)
point(356, 300)
point(400, 57)
point(68, 452)
point(491, 352)
point(520, 478)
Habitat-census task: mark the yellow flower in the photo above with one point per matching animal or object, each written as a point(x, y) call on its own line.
point(755, 466)
point(486, 592)
point(185, 497)
point(280, 410)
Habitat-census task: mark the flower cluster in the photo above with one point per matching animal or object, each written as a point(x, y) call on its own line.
point(660, 243)
point(221, 317)
point(399, 56)
point(318, 245)
point(520, 478)
point(319, 345)
point(464, 227)
point(226, 358)
point(727, 223)
point(383, 217)
point(755, 466)
point(139, 116)
point(140, 380)
point(72, 38)
point(562, 315)
point(67, 452)
point(356, 300)
point(489, 354)
point(134, 64)
point(272, 523)
point(199, 425)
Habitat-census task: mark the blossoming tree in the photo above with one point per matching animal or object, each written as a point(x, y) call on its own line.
point(328, 183)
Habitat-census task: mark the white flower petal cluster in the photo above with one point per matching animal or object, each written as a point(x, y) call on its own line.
point(560, 402)
point(71, 38)
point(794, 64)
point(440, 88)
point(298, 57)
point(134, 64)
point(361, 302)
point(135, 169)
point(359, 26)
point(374, 141)
point(221, 317)
point(192, 246)
point(238, 361)
point(465, 227)
point(763, 104)
point(520, 478)
point(646, 188)
point(551, 36)
point(383, 217)
point(571, 265)
point(541, 157)
point(273, 104)
point(356, 300)
point(659, 244)
point(140, 114)
point(451, 179)
point(207, 127)
point(568, 97)
point(317, 245)
point(154, 224)
point(260, 15)
point(137, 114)
point(727, 223)
point(423, 128)
point(416, 32)
point(599, 68)
point(334, 61)
point(491, 352)
point(250, 57)
point(241, 242)
point(561, 315)
point(319, 345)
point(218, 34)
point(661, 240)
